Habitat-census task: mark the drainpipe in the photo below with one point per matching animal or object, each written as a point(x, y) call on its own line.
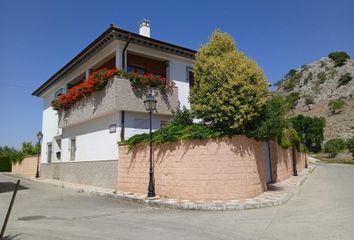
point(122, 127)
point(124, 50)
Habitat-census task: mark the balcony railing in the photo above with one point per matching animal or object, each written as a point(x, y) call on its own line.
point(118, 95)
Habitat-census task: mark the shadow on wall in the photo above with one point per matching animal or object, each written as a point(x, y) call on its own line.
point(233, 167)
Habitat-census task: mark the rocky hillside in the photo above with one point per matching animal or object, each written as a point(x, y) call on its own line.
point(313, 86)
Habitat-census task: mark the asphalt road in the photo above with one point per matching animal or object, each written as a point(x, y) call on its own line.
point(323, 209)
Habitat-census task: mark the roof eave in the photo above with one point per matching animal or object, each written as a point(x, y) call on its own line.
point(97, 43)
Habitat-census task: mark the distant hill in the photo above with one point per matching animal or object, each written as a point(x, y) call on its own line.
point(321, 82)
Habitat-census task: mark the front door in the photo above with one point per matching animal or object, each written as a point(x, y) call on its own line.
point(267, 159)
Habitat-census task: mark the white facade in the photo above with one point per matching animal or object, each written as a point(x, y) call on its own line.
point(93, 139)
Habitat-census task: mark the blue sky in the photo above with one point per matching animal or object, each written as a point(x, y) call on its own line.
point(39, 37)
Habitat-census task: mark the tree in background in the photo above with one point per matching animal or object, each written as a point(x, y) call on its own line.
point(334, 146)
point(308, 100)
point(292, 100)
point(8, 155)
point(339, 58)
point(336, 105)
point(271, 122)
point(231, 89)
point(29, 149)
point(312, 129)
point(344, 79)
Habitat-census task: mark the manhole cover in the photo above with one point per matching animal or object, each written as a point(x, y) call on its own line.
point(30, 218)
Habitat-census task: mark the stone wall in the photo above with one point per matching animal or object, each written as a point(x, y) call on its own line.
point(27, 167)
point(217, 169)
point(95, 173)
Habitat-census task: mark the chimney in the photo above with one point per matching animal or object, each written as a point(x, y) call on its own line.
point(144, 29)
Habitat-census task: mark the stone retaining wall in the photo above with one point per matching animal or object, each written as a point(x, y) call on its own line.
point(95, 173)
point(216, 169)
point(27, 167)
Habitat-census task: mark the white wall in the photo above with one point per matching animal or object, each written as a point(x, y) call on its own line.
point(49, 128)
point(129, 123)
point(177, 69)
point(93, 140)
point(95, 131)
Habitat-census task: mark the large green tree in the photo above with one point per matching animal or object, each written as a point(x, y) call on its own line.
point(311, 130)
point(230, 88)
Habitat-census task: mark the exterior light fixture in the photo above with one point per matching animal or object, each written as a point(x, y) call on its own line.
point(150, 106)
point(39, 137)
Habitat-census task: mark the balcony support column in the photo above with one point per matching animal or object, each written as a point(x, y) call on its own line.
point(119, 60)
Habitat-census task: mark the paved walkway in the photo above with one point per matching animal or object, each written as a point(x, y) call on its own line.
point(278, 194)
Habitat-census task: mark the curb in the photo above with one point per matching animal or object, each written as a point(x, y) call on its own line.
point(266, 199)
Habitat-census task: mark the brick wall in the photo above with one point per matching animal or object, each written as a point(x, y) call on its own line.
point(217, 169)
point(282, 161)
point(27, 167)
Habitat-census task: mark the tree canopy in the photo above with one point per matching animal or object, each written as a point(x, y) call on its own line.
point(230, 88)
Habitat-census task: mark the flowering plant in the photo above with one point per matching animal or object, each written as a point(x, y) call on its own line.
point(99, 79)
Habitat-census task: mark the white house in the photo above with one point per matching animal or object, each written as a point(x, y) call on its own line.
point(80, 145)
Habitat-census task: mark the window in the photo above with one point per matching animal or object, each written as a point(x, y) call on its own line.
point(136, 69)
point(163, 124)
point(190, 77)
point(140, 64)
point(110, 63)
point(49, 152)
point(58, 93)
point(76, 81)
point(72, 149)
point(141, 123)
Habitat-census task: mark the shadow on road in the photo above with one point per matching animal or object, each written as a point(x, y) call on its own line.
point(12, 237)
point(9, 187)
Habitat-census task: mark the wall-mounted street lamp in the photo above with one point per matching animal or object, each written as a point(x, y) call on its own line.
point(39, 137)
point(150, 106)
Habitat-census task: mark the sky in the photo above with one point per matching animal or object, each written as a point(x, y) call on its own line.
point(38, 37)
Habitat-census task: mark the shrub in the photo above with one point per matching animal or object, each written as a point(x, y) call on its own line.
point(321, 77)
point(339, 58)
point(29, 149)
point(308, 78)
point(344, 79)
point(231, 89)
point(291, 100)
point(174, 132)
point(271, 121)
point(334, 146)
point(7, 156)
point(182, 117)
point(289, 85)
point(291, 73)
point(290, 137)
point(350, 145)
point(308, 99)
point(311, 130)
point(335, 105)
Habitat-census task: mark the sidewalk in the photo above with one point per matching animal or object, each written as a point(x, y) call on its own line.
point(278, 194)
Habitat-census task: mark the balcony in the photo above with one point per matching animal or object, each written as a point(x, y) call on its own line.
point(117, 96)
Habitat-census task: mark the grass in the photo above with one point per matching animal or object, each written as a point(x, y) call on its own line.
point(335, 160)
